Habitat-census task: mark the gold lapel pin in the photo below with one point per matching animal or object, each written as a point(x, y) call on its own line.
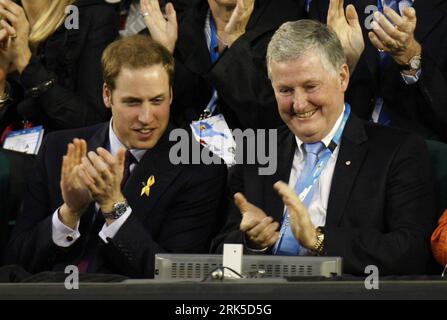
point(147, 186)
point(348, 163)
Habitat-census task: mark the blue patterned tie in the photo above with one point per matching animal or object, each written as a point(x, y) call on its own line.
point(289, 246)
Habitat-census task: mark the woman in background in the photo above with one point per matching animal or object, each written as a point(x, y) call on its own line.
point(50, 70)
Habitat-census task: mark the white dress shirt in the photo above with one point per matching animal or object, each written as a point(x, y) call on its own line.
point(64, 236)
point(318, 205)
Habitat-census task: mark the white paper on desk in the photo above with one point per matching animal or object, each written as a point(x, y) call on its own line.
point(26, 140)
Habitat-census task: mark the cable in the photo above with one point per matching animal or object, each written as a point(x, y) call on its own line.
point(219, 274)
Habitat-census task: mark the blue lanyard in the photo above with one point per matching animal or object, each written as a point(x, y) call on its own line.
point(214, 53)
point(213, 102)
point(308, 4)
point(213, 43)
point(321, 164)
point(380, 5)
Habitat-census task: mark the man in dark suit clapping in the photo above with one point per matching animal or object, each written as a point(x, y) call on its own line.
point(355, 189)
point(115, 198)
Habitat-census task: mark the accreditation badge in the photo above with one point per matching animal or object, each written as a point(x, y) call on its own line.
point(27, 140)
point(214, 134)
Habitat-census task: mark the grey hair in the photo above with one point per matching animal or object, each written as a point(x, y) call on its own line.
point(294, 40)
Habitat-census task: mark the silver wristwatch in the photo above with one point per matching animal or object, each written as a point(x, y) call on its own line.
point(119, 208)
point(412, 65)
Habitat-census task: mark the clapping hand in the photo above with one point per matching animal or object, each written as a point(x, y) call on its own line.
point(75, 193)
point(396, 37)
point(164, 30)
point(16, 24)
point(300, 223)
point(102, 173)
point(347, 27)
point(237, 24)
point(260, 229)
point(5, 59)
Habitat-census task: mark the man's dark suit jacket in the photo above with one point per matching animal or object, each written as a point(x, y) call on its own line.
point(381, 205)
point(420, 107)
point(240, 75)
point(178, 216)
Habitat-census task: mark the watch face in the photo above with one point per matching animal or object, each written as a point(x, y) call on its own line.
point(415, 62)
point(120, 208)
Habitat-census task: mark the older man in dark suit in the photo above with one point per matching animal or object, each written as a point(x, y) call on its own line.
point(115, 198)
point(355, 189)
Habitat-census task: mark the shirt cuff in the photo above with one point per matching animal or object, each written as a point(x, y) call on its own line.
point(251, 249)
point(62, 235)
point(411, 79)
point(109, 231)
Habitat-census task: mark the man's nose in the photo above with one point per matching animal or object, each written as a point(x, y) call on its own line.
point(146, 114)
point(299, 101)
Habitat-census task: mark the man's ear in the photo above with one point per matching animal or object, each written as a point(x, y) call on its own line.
point(344, 77)
point(170, 100)
point(107, 95)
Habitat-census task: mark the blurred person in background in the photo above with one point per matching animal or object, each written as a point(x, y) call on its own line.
point(50, 62)
point(50, 77)
point(439, 241)
point(400, 54)
point(220, 47)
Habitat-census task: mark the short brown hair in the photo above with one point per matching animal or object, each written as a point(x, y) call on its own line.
point(134, 52)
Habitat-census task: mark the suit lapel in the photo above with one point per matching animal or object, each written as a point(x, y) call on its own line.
point(257, 13)
point(100, 138)
point(286, 150)
point(155, 162)
point(262, 20)
point(428, 15)
point(194, 48)
point(353, 150)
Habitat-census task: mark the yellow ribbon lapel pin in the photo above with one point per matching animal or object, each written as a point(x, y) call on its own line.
point(147, 186)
